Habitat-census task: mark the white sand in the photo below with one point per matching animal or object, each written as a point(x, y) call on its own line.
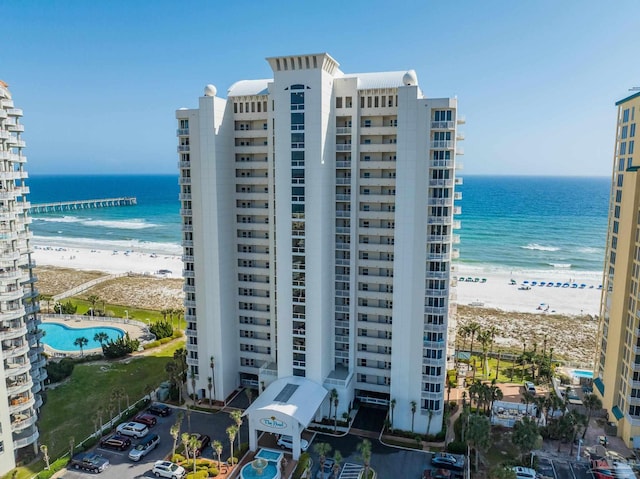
point(496, 292)
point(109, 261)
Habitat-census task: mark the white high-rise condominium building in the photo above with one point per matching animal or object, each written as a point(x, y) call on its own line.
point(317, 211)
point(22, 360)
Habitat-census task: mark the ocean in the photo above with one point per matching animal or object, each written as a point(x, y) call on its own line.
point(508, 223)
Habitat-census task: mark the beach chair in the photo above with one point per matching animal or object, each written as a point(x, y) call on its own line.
point(533, 283)
point(483, 280)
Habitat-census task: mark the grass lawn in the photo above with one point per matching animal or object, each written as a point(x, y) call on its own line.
point(70, 409)
point(505, 375)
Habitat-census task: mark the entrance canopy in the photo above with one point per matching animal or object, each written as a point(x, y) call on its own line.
point(287, 406)
point(295, 397)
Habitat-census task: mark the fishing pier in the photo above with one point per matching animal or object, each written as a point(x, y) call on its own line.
point(82, 204)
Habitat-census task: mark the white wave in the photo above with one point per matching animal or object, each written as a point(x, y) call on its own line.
point(108, 245)
point(538, 247)
point(60, 219)
point(132, 224)
point(560, 265)
point(590, 250)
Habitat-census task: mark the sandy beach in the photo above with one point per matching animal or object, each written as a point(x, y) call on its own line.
point(494, 288)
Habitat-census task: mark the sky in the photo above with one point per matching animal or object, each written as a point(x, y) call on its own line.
point(99, 81)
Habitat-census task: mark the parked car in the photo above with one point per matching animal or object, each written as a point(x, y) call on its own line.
point(204, 441)
point(159, 410)
point(146, 419)
point(524, 472)
point(168, 469)
point(116, 441)
point(444, 460)
point(89, 462)
point(134, 429)
point(530, 387)
point(286, 442)
point(144, 447)
point(326, 471)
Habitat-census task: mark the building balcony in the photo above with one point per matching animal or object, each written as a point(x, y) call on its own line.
point(183, 148)
point(343, 147)
point(20, 422)
point(442, 182)
point(3, 114)
point(184, 164)
point(343, 164)
point(16, 351)
point(343, 130)
point(6, 103)
point(13, 333)
point(439, 220)
point(461, 120)
point(440, 201)
point(22, 403)
point(14, 112)
point(378, 147)
point(19, 387)
point(4, 135)
point(16, 128)
point(459, 151)
point(443, 125)
point(24, 440)
point(251, 149)
point(442, 144)
point(182, 131)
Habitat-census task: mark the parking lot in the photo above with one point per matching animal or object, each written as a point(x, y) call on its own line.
point(564, 468)
point(121, 466)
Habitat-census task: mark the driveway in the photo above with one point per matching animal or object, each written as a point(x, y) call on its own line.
point(212, 424)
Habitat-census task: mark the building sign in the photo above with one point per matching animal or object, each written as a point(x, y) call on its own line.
point(272, 422)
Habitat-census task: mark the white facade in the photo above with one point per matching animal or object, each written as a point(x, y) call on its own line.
point(22, 360)
point(318, 229)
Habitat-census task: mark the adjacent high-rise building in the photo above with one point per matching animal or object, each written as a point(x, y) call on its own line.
point(22, 359)
point(617, 370)
point(318, 232)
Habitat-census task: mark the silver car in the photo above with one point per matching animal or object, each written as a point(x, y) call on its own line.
point(144, 447)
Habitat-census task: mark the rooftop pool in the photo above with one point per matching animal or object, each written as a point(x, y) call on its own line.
point(61, 337)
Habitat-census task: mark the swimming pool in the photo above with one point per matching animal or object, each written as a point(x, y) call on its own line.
point(579, 373)
point(269, 472)
point(270, 455)
point(61, 337)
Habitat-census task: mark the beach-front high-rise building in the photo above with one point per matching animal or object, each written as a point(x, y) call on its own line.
point(318, 233)
point(22, 360)
point(617, 368)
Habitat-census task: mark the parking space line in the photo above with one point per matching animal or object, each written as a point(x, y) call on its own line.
point(351, 471)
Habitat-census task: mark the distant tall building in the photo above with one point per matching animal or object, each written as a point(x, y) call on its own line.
point(617, 371)
point(317, 211)
point(22, 360)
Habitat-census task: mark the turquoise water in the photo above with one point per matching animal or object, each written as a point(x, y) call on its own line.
point(61, 337)
point(269, 472)
point(582, 374)
point(269, 455)
point(508, 222)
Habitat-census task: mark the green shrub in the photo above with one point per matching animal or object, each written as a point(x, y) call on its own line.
point(177, 333)
point(120, 347)
point(244, 447)
point(53, 468)
point(162, 329)
point(59, 370)
point(457, 447)
point(179, 458)
point(197, 475)
point(213, 471)
point(152, 344)
point(303, 464)
point(232, 460)
point(164, 340)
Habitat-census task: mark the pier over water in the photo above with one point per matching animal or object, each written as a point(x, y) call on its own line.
point(82, 204)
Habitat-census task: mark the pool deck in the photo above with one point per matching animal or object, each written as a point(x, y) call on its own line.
point(136, 330)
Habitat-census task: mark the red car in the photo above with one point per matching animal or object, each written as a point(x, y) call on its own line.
point(146, 419)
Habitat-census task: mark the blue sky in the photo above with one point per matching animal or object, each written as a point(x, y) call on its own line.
point(99, 81)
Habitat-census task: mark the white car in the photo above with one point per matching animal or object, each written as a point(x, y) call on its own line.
point(168, 469)
point(133, 429)
point(524, 473)
point(146, 445)
point(286, 442)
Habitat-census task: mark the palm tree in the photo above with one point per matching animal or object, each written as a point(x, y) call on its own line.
point(484, 338)
point(333, 394)
point(117, 395)
point(81, 342)
point(527, 398)
point(231, 433)
point(414, 407)
point(249, 393)
point(93, 299)
point(591, 403)
point(193, 446)
point(209, 386)
point(101, 337)
point(175, 432)
point(392, 403)
point(322, 449)
point(217, 447)
point(479, 434)
point(184, 437)
point(473, 329)
point(337, 459)
point(336, 400)
point(364, 448)
point(45, 453)
point(236, 416)
point(430, 416)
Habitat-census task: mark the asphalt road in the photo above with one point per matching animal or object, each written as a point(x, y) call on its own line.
point(121, 466)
